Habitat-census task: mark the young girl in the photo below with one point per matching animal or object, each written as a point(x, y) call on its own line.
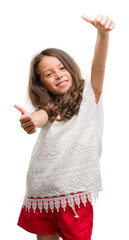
point(64, 173)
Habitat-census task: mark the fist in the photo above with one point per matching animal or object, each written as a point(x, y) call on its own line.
point(27, 122)
point(103, 23)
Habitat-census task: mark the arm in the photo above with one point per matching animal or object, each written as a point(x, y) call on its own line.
point(40, 117)
point(98, 63)
point(103, 24)
point(30, 121)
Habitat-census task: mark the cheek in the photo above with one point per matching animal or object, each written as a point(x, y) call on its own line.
point(47, 82)
point(71, 79)
point(50, 85)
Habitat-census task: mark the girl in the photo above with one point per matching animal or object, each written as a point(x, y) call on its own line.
point(64, 173)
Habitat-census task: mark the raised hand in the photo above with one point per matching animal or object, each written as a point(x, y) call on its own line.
point(27, 121)
point(103, 23)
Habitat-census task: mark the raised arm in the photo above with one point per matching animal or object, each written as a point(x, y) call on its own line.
point(104, 25)
point(31, 121)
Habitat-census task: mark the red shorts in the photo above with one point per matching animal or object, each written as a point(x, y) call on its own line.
point(63, 222)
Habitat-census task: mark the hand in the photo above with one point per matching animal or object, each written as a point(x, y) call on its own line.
point(27, 122)
point(103, 23)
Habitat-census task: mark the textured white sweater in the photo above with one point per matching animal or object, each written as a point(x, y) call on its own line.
point(64, 164)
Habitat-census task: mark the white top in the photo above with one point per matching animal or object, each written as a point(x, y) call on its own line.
point(65, 158)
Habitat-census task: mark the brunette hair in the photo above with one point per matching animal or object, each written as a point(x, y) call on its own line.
point(63, 105)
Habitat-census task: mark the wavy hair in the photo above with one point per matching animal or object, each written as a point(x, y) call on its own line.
point(65, 105)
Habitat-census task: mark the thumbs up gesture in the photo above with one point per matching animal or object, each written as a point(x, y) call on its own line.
point(103, 23)
point(27, 121)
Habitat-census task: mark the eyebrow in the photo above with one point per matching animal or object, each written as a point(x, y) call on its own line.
point(50, 68)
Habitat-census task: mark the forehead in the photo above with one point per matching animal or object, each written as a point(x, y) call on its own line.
point(48, 62)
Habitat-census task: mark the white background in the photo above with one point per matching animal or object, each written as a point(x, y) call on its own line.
point(27, 27)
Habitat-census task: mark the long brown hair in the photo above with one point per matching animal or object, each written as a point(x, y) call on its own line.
point(65, 105)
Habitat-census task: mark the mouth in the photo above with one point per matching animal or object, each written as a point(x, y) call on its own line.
point(62, 84)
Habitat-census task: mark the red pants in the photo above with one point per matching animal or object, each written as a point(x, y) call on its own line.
point(63, 222)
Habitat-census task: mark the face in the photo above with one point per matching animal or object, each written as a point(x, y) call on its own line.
point(54, 76)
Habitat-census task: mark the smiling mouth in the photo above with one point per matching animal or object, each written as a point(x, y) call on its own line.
point(62, 83)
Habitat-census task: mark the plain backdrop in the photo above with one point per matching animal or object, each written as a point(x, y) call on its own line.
point(26, 28)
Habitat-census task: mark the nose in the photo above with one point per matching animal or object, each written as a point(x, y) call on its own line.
point(59, 75)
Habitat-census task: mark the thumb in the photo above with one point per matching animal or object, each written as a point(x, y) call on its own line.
point(21, 109)
point(88, 19)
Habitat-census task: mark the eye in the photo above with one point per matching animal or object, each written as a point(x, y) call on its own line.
point(49, 74)
point(62, 68)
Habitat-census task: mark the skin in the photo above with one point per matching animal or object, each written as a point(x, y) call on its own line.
point(104, 25)
point(52, 71)
point(48, 237)
point(30, 122)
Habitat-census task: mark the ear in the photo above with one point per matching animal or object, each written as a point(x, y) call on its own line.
point(43, 89)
